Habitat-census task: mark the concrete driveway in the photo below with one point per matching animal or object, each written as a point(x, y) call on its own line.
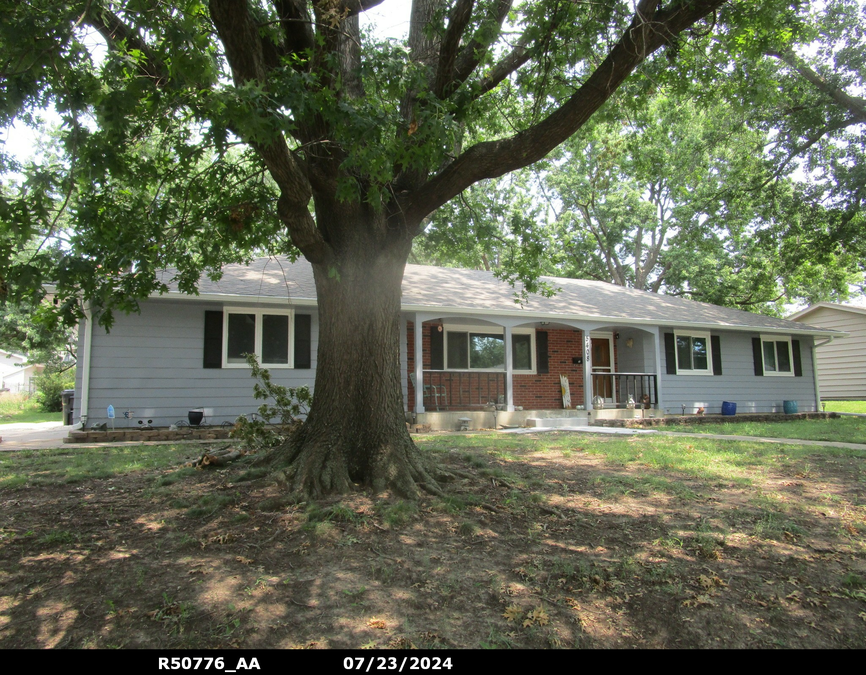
point(32, 436)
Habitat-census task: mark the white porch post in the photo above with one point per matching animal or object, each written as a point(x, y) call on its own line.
point(404, 361)
point(509, 371)
point(660, 405)
point(587, 369)
point(419, 365)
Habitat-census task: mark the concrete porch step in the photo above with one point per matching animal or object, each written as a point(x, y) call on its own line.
point(557, 422)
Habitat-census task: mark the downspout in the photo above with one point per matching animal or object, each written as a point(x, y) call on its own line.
point(815, 370)
point(85, 371)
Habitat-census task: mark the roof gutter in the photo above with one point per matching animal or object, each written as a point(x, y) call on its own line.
point(85, 371)
point(233, 297)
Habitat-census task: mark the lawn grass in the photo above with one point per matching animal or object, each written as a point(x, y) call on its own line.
point(539, 540)
point(31, 417)
point(712, 460)
point(16, 408)
point(28, 468)
point(845, 406)
point(842, 430)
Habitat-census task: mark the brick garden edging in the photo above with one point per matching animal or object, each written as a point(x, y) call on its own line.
point(710, 419)
point(126, 435)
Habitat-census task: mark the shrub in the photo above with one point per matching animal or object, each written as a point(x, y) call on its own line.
point(50, 386)
point(290, 404)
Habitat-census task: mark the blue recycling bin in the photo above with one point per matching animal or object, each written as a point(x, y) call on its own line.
point(729, 408)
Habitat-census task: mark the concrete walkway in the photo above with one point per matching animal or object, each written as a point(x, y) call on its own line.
point(583, 429)
point(32, 435)
point(721, 437)
point(47, 435)
point(761, 439)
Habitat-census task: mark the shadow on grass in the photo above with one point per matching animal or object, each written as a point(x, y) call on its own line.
point(556, 541)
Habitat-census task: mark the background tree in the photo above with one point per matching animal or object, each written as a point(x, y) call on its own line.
point(799, 82)
point(222, 128)
point(747, 195)
point(667, 201)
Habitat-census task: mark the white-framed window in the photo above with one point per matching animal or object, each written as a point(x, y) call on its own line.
point(694, 353)
point(776, 354)
point(483, 348)
point(267, 333)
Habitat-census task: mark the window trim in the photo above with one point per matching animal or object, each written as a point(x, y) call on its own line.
point(258, 313)
point(489, 330)
point(774, 339)
point(693, 371)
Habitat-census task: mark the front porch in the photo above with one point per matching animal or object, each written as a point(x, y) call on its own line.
point(496, 374)
point(497, 419)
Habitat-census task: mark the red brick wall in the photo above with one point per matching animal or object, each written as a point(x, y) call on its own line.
point(532, 392)
point(543, 391)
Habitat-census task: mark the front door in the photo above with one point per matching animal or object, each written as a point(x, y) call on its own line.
point(602, 368)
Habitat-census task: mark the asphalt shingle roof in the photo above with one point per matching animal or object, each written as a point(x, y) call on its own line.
point(461, 291)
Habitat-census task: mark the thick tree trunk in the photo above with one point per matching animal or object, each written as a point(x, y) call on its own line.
point(355, 434)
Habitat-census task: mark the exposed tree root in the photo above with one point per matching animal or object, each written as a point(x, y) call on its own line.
point(310, 469)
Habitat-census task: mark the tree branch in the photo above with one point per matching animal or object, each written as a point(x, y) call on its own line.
point(240, 37)
point(800, 149)
point(476, 49)
point(519, 55)
point(855, 106)
point(495, 158)
point(114, 31)
point(356, 7)
point(297, 25)
point(457, 22)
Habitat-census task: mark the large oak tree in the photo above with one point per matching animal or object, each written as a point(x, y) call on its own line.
point(212, 130)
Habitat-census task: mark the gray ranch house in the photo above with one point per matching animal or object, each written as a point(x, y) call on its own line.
point(480, 351)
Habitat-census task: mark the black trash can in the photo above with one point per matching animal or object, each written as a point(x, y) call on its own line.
point(67, 397)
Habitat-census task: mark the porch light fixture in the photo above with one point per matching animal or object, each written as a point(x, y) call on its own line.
point(616, 336)
point(544, 323)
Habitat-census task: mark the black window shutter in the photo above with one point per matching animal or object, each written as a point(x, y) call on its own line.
point(670, 354)
point(716, 345)
point(756, 355)
point(437, 348)
point(798, 365)
point(303, 341)
point(542, 359)
point(213, 340)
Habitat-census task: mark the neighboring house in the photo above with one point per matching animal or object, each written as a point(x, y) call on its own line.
point(17, 374)
point(478, 346)
point(842, 363)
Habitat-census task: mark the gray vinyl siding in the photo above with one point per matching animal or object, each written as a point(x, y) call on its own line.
point(738, 382)
point(640, 357)
point(152, 363)
point(841, 363)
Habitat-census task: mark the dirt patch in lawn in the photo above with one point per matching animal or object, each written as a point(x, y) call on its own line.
point(529, 550)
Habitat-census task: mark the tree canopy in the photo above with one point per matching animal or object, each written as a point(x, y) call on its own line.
point(746, 194)
point(218, 123)
point(213, 131)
